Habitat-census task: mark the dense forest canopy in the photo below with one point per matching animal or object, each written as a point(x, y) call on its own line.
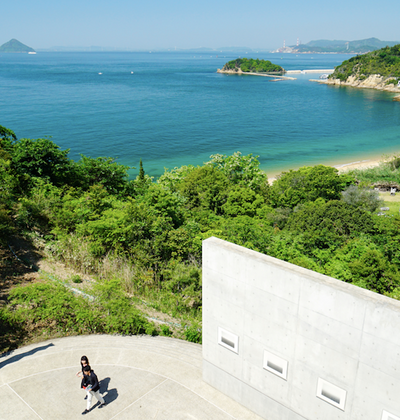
point(385, 62)
point(254, 66)
point(144, 238)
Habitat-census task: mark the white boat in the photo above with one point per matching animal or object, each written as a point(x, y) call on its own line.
point(32, 52)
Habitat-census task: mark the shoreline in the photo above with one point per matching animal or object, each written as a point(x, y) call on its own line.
point(240, 72)
point(374, 81)
point(342, 167)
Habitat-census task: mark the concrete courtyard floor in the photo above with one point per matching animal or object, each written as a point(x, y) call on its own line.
point(141, 377)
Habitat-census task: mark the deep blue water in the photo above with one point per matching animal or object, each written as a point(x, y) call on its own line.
point(174, 109)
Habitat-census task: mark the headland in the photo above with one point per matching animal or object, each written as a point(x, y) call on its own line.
point(378, 69)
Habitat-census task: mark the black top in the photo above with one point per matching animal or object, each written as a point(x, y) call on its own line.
point(90, 380)
point(83, 367)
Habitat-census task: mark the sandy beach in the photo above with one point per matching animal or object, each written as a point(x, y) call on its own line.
point(343, 167)
point(361, 164)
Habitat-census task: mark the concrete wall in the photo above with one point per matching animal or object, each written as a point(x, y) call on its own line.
point(332, 337)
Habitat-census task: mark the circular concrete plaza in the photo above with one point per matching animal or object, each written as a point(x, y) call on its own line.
point(140, 377)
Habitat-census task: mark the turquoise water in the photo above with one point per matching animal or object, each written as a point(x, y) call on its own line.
point(173, 109)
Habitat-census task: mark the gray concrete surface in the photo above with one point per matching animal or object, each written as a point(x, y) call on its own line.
point(141, 378)
point(322, 329)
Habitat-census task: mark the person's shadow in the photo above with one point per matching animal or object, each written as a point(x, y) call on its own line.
point(109, 395)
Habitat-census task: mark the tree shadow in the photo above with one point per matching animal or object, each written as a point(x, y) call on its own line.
point(18, 357)
point(109, 395)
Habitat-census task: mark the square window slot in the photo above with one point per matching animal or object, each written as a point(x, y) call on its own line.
point(332, 394)
point(275, 364)
point(228, 340)
point(387, 416)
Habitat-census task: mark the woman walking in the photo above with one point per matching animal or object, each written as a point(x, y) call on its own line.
point(84, 362)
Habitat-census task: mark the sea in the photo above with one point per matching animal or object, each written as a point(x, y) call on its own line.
point(173, 108)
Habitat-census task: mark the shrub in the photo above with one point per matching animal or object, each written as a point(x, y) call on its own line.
point(391, 82)
point(364, 198)
point(193, 333)
point(53, 308)
point(165, 331)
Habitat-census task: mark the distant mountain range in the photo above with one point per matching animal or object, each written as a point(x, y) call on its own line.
point(352, 47)
point(14, 46)
point(197, 50)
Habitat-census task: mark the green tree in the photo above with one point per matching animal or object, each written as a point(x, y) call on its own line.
point(330, 224)
point(248, 232)
point(171, 179)
point(205, 188)
point(141, 171)
point(42, 158)
point(104, 171)
point(377, 273)
point(242, 170)
point(7, 140)
point(165, 202)
point(242, 201)
point(307, 184)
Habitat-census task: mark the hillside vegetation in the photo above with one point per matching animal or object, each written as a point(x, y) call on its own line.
point(135, 245)
point(384, 62)
point(247, 65)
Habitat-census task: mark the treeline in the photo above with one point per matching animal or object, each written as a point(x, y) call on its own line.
point(385, 62)
point(253, 66)
point(144, 237)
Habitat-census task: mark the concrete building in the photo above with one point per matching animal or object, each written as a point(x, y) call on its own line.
point(292, 344)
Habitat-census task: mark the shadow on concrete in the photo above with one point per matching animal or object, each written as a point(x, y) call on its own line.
point(109, 395)
point(15, 358)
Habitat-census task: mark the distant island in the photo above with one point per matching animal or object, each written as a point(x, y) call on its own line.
point(251, 66)
point(14, 46)
point(375, 70)
point(340, 47)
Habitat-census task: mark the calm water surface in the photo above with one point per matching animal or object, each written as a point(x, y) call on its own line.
point(173, 109)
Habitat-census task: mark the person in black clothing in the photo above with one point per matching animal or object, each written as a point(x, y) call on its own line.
point(91, 384)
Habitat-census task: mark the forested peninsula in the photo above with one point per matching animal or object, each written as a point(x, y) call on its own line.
point(84, 249)
point(378, 69)
point(249, 65)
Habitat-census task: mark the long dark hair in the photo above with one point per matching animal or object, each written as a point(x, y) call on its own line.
point(84, 359)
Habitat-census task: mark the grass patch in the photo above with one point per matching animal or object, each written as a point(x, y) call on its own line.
point(391, 201)
point(50, 309)
point(386, 173)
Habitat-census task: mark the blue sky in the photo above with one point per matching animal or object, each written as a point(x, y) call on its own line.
point(154, 24)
